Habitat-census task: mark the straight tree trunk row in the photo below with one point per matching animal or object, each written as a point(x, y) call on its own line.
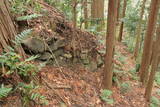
point(139, 29)
point(146, 56)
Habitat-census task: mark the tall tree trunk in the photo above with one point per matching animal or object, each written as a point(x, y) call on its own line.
point(122, 23)
point(7, 28)
point(74, 12)
point(159, 58)
point(148, 40)
point(86, 13)
point(154, 66)
point(139, 29)
point(97, 12)
point(118, 9)
point(110, 43)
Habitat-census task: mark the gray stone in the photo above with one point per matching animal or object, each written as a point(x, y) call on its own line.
point(45, 56)
point(58, 52)
point(35, 45)
point(57, 44)
point(60, 43)
point(52, 47)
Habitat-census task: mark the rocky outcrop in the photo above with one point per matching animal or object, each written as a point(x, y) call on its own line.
point(59, 39)
point(55, 49)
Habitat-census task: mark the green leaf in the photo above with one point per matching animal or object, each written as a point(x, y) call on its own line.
point(4, 91)
point(155, 102)
point(28, 17)
point(106, 93)
point(110, 101)
point(34, 96)
point(22, 36)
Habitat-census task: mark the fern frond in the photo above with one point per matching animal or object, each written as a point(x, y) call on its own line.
point(28, 17)
point(39, 97)
point(34, 96)
point(4, 91)
point(22, 36)
point(31, 58)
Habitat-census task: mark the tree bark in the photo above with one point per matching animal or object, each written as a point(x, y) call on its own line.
point(110, 43)
point(7, 28)
point(159, 58)
point(74, 12)
point(118, 9)
point(148, 40)
point(139, 29)
point(86, 13)
point(154, 66)
point(122, 23)
point(97, 12)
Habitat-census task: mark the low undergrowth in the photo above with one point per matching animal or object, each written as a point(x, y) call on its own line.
point(20, 76)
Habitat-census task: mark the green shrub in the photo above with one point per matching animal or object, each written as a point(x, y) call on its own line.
point(4, 91)
point(105, 96)
point(11, 65)
point(155, 102)
point(116, 81)
point(29, 94)
point(124, 88)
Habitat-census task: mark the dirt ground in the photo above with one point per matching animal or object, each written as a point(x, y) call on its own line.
point(77, 87)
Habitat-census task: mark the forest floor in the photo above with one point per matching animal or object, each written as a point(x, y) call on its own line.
point(77, 87)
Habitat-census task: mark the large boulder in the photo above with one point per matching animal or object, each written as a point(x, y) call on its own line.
point(34, 45)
